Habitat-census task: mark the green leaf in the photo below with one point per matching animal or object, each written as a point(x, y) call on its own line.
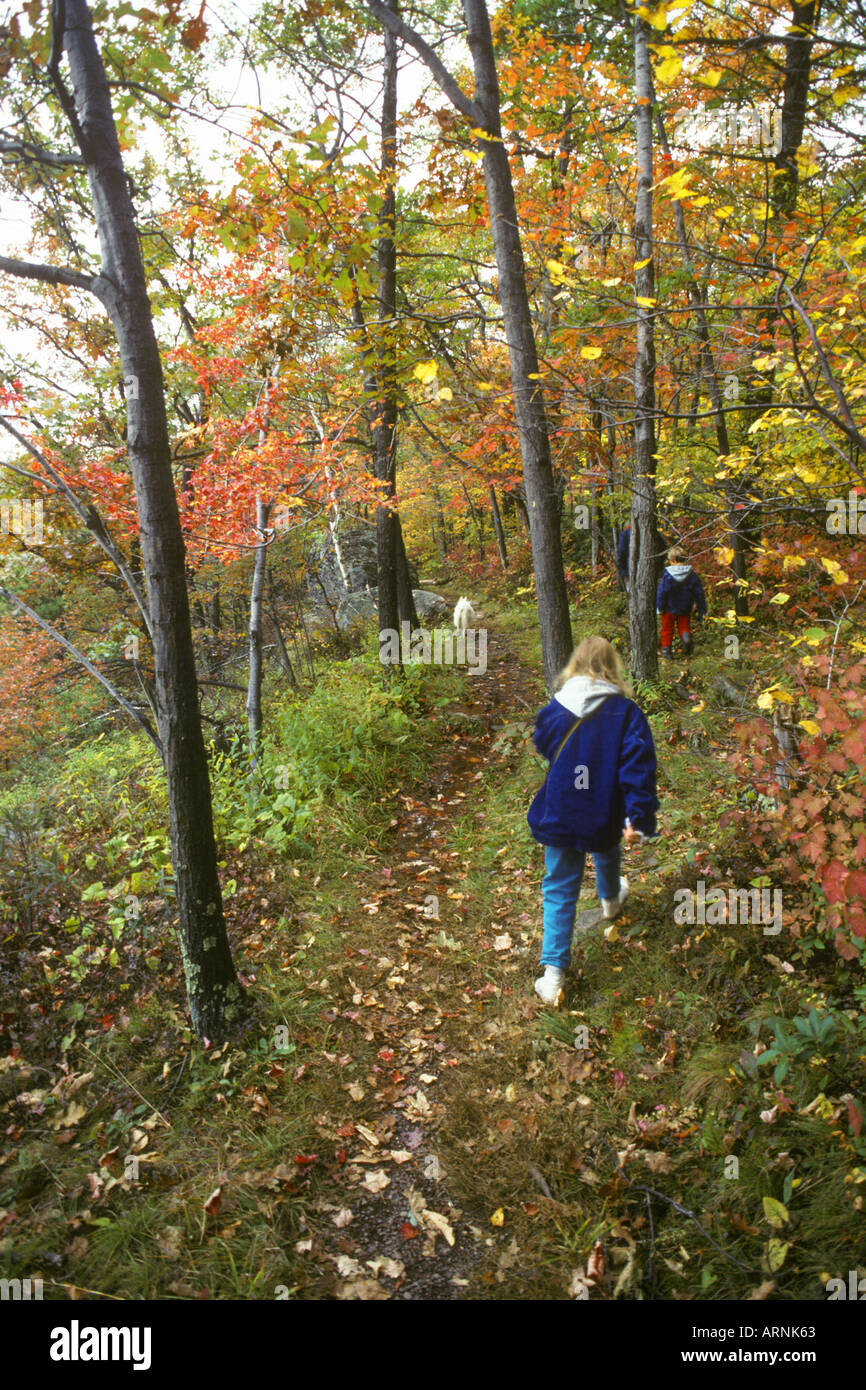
point(776, 1252)
point(775, 1212)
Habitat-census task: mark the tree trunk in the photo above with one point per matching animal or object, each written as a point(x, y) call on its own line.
point(642, 565)
point(384, 409)
point(212, 985)
point(406, 609)
point(529, 412)
point(254, 684)
point(498, 528)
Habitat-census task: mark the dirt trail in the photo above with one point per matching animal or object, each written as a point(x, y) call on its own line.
point(391, 1228)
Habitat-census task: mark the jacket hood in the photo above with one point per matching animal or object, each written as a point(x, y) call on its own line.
point(581, 694)
point(678, 572)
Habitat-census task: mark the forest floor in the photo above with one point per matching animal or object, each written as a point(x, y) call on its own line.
point(403, 1118)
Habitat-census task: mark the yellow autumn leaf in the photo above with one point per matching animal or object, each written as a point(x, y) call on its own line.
point(498, 1217)
point(589, 354)
point(617, 280)
point(835, 570)
point(658, 19)
point(426, 371)
point(859, 245)
point(711, 78)
point(725, 554)
point(644, 301)
point(780, 598)
point(700, 202)
point(639, 265)
point(845, 94)
point(810, 726)
point(723, 212)
point(445, 394)
point(484, 386)
point(696, 709)
point(667, 72)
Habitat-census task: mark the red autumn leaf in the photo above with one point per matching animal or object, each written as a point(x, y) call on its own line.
point(408, 1230)
point(303, 1160)
point(619, 1078)
point(212, 1205)
point(595, 1263)
point(855, 1116)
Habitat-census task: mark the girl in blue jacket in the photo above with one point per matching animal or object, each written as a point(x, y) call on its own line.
point(600, 787)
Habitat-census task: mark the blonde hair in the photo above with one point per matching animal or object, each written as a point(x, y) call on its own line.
point(596, 658)
point(676, 555)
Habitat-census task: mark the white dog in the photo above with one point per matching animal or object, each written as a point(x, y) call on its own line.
point(464, 615)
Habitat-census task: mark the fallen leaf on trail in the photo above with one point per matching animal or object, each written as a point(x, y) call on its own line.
point(408, 1231)
point(212, 1205)
point(343, 1217)
point(72, 1116)
point(498, 1217)
point(399, 1155)
point(367, 1289)
point(763, 1290)
point(355, 1091)
point(168, 1242)
point(392, 1269)
point(347, 1267)
point(595, 1263)
point(303, 1247)
point(367, 1134)
point(413, 1138)
point(376, 1181)
point(658, 1162)
point(437, 1222)
point(503, 942)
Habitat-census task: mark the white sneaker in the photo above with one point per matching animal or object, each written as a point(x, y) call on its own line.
point(612, 907)
point(549, 987)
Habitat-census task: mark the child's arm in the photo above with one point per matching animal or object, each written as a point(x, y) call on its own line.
point(637, 775)
point(661, 594)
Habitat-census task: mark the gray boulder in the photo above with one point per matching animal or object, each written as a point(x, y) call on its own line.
point(357, 547)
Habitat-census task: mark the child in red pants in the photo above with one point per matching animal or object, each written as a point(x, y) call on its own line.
point(679, 592)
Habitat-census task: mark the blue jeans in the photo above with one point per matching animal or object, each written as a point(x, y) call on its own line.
point(560, 890)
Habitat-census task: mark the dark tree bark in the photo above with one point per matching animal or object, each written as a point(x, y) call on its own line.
point(529, 410)
point(406, 609)
point(641, 559)
point(798, 63)
point(384, 408)
point(498, 528)
point(213, 989)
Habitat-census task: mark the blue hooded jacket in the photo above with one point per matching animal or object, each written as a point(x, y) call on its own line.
point(681, 590)
point(605, 773)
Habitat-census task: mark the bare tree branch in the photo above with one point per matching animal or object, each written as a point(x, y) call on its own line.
point(36, 154)
point(89, 515)
point(86, 663)
point(48, 274)
point(438, 71)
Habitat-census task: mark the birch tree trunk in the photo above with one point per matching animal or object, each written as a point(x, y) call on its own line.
point(257, 593)
point(641, 559)
point(213, 989)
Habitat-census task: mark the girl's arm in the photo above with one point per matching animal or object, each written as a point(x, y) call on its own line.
point(637, 773)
